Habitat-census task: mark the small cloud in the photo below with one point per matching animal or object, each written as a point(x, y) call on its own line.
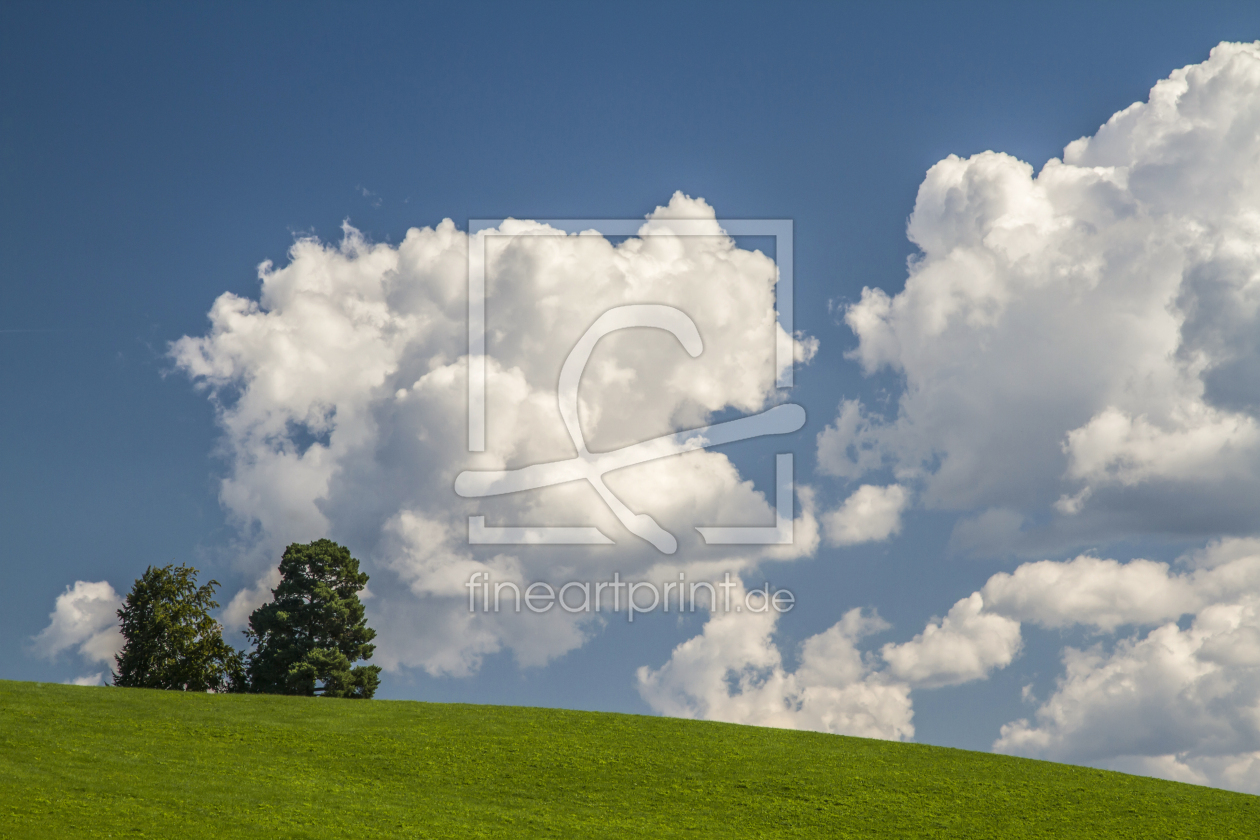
point(84, 617)
point(236, 614)
point(1072, 505)
point(871, 514)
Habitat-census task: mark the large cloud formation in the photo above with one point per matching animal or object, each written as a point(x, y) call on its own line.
point(342, 394)
point(1079, 347)
point(1079, 358)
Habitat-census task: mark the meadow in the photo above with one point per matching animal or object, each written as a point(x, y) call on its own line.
point(112, 762)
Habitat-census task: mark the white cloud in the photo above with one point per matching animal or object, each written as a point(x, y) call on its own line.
point(245, 601)
point(1114, 447)
point(1178, 703)
point(341, 393)
point(1183, 704)
point(1172, 700)
point(965, 645)
point(847, 448)
point(1080, 363)
point(1079, 346)
point(733, 672)
point(1102, 593)
point(85, 618)
point(870, 514)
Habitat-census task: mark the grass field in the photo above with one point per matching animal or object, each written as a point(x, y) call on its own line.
point(106, 762)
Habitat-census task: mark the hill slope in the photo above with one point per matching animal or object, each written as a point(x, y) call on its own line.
point(100, 762)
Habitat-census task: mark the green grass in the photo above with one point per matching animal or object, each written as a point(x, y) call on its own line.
point(106, 762)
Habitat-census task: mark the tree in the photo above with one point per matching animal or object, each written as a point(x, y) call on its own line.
point(307, 639)
point(171, 640)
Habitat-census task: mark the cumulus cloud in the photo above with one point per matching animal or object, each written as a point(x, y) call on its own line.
point(1078, 345)
point(341, 393)
point(1078, 363)
point(1178, 696)
point(870, 514)
point(85, 619)
point(965, 645)
point(1102, 593)
point(733, 671)
point(1177, 703)
point(1180, 703)
point(1173, 702)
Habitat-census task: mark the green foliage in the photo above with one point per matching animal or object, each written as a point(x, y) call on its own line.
point(92, 762)
point(171, 640)
point(312, 632)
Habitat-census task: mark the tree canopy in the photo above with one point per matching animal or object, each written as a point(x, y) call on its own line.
point(309, 636)
point(171, 640)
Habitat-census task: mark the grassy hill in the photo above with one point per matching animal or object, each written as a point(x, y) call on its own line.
point(106, 762)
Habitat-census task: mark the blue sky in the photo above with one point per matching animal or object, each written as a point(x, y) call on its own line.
point(151, 157)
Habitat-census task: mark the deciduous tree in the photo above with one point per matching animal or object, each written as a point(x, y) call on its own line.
point(171, 640)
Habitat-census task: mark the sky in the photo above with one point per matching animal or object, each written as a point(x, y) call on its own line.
point(233, 315)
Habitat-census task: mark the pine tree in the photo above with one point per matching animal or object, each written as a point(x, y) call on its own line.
point(307, 639)
point(171, 640)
